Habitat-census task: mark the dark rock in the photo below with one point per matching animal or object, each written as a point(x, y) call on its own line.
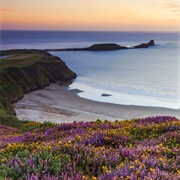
point(104, 47)
point(105, 95)
point(145, 45)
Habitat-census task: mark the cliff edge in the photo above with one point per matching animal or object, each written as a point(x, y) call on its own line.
point(23, 71)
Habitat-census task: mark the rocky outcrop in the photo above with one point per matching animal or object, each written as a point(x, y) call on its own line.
point(145, 45)
point(106, 47)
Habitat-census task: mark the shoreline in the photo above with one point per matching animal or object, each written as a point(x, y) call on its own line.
point(57, 104)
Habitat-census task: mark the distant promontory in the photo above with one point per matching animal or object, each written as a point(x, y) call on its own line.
point(106, 47)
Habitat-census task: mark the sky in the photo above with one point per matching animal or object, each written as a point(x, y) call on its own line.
point(98, 15)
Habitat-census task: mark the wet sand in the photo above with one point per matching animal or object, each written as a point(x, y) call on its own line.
point(57, 104)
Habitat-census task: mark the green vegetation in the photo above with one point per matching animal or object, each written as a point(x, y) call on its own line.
point(22, 52)
point(20, 61)
point(23, 71)
point(20, 58)
point(10, 120)
point(147, 148)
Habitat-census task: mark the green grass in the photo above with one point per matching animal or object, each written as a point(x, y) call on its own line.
point(10, 120)
point(32, 58)
point(21, 61)
point(5, 61)
point(11, 52)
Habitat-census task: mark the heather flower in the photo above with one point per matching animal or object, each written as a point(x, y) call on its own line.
point(147, 148)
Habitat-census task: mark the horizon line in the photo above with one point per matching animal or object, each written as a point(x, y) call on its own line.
point(163, 31)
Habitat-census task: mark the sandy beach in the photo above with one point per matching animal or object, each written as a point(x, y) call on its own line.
point(57, 104)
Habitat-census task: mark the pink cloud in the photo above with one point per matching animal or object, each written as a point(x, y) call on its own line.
point(6, 10)
point(173, 7)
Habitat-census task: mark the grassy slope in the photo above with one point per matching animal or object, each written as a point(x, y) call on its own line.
point(24, 71)
point(123, 150)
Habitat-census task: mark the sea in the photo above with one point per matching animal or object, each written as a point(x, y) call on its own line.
point(140, 77)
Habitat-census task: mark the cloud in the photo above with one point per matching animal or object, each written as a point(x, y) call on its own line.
point(171, 20)
point(6, 10)
point(125, 17)
point(173, 7)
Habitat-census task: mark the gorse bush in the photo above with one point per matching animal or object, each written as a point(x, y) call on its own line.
point(147, 148)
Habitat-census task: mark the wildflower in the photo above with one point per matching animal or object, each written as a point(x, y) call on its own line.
point(69, 148)
point(143, 165)
point(59, 143)
point(94, 178)
point(137, 162)
point(127, 178)
point(104, 169)
point(78, 137)
point(149, 150)
point(49, 147)
point(137, 173)
point(151, 169)
point(121, 165)
point(102, 148)
point(84, 177)
point(3, 160)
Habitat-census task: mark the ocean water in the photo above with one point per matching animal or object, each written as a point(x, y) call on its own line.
point(144, 77)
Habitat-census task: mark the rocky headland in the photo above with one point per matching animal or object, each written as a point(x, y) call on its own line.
point(22, 71)
point(106, 47)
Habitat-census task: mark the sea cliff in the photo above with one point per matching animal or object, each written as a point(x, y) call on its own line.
point(23, 71)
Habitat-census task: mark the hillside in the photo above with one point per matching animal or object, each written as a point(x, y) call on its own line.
point(23, 71)
point(146, 149)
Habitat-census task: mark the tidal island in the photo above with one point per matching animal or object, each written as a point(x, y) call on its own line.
point(106, 47)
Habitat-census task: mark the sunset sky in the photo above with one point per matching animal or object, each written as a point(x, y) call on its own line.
point(115, 15)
